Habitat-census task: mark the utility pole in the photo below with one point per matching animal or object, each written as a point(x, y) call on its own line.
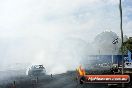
point(120, 8)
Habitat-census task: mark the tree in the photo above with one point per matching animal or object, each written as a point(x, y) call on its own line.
point(127, 45)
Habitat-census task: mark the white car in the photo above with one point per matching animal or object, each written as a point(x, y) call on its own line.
point(36, 70)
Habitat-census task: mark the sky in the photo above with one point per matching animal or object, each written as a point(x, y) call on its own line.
point(38, 31)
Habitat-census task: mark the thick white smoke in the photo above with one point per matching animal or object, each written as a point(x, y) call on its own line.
point(55, 33)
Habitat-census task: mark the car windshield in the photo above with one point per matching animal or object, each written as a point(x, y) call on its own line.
point(37, 67)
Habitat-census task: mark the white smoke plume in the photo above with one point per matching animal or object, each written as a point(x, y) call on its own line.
point(55, 33)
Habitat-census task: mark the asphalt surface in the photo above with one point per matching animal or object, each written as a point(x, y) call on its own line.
point(64, 80)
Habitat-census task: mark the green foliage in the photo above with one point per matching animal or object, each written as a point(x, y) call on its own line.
point(127, 45)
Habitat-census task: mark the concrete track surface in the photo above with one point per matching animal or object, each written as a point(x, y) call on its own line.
point(64, 80)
